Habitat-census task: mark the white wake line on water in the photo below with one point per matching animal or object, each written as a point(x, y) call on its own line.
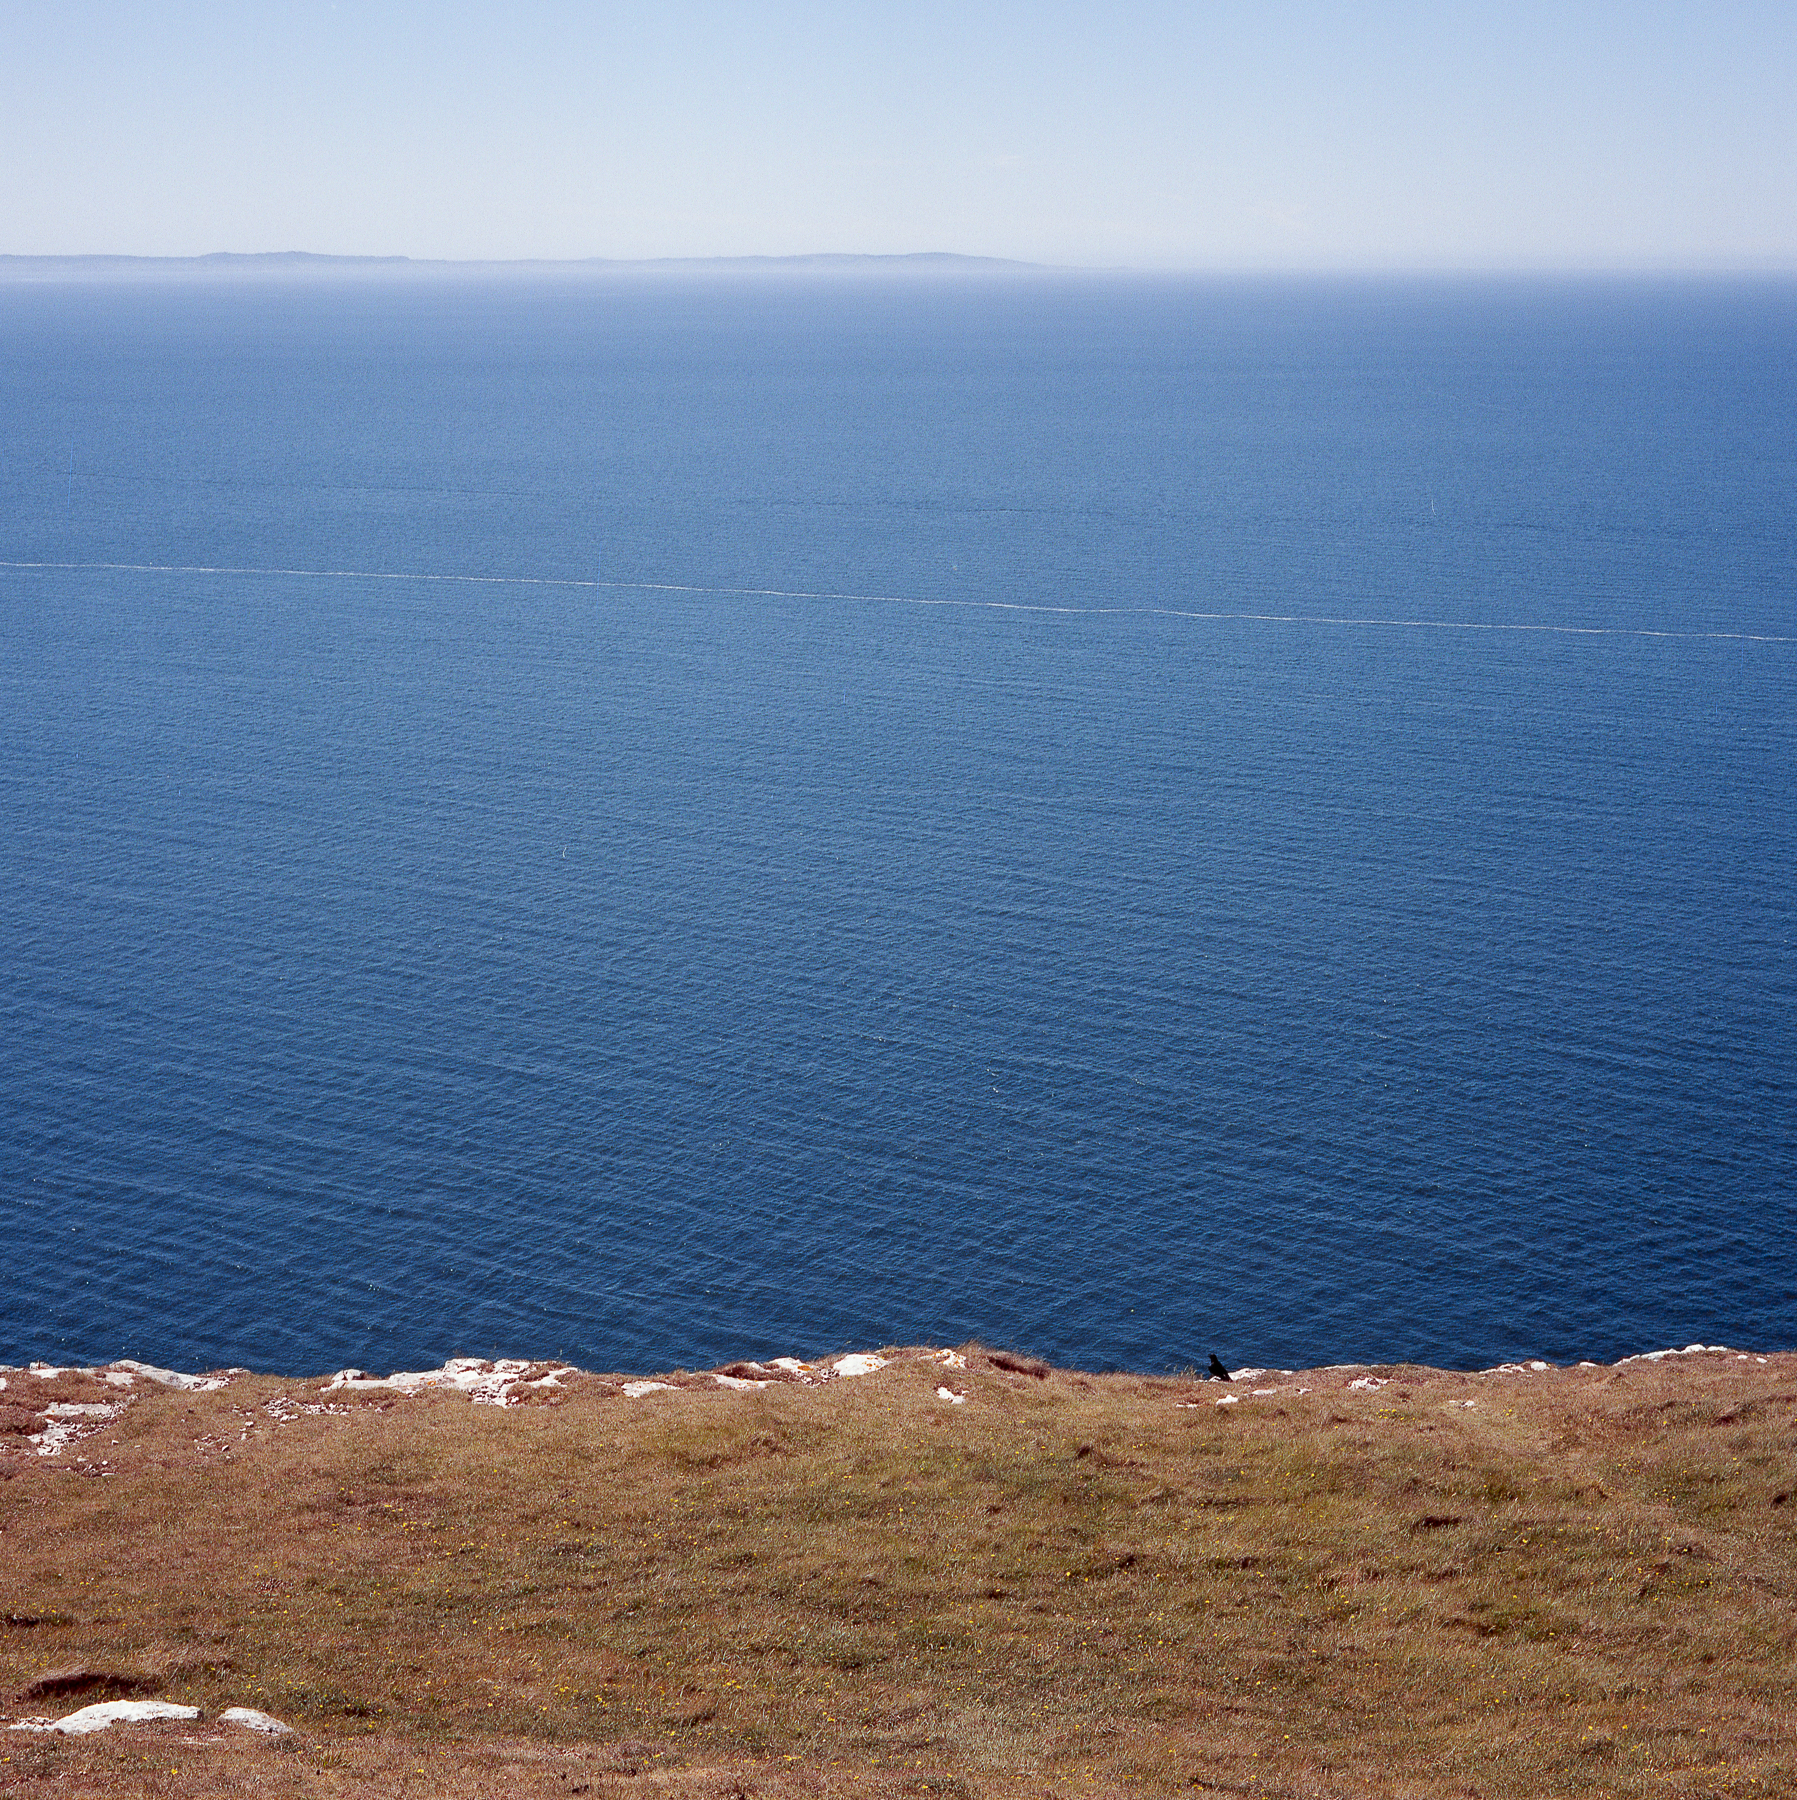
point(122, 568)
point(1024, 606)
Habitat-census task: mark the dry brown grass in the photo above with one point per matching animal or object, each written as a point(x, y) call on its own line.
point(1581, 1584)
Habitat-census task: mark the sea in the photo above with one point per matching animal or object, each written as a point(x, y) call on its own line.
point(657, 818)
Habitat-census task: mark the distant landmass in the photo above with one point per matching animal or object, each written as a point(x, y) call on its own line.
point(287, 262)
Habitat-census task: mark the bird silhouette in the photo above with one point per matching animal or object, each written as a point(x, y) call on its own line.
point(1217, 1369)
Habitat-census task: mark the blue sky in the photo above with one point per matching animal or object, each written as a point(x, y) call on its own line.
point(1264, 134)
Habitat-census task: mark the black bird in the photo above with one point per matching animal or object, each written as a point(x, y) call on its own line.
point(1217, 1369)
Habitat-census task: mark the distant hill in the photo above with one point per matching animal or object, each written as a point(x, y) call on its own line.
point(306, 262)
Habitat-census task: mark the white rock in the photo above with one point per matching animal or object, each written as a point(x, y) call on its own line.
point(485, 1383)
point(949, 1394)
point(635, 1390)
point(124, 1373)
point(861, 1363)
point(252, 1720)
point(69, 1421)
point(109, 1712)
point(192, 1384)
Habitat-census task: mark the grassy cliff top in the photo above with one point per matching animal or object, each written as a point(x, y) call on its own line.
point(1392, 1581)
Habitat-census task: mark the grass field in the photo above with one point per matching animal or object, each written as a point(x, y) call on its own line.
point(1571, 1581)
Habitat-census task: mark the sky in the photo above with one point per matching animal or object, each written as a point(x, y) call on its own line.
point(1255, 135)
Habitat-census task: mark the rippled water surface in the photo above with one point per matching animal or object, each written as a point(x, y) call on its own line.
point(1143, 951)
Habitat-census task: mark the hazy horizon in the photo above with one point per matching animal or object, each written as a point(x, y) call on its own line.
point(1297, 137)
point(921, 264)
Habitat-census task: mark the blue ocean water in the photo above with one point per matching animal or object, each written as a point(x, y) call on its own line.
point(655, 974)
